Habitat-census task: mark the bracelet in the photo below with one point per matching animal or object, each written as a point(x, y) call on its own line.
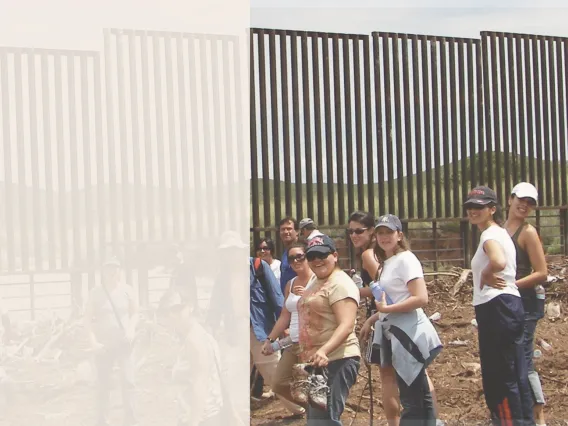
point(271, 340)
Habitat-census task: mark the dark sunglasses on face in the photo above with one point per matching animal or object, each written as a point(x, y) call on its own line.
point(263, 249)
point(357, 231)
point(321, 256)
point(474, 206)
point(297, 258)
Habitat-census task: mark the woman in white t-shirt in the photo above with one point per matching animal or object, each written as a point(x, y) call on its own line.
point(265, 250)
point(289, 320)
point(499, 313)
point(408, 341)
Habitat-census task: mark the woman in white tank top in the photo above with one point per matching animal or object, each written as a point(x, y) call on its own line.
point(289, 321)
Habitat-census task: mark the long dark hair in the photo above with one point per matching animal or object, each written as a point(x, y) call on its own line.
point(498, 215)
point(366, 219)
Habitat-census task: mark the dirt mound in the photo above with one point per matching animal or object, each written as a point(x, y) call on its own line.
point(455, 373)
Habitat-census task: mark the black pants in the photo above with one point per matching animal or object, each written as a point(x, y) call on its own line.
point(503, 366)
point(417, 403)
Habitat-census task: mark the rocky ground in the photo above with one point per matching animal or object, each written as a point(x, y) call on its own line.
point(454, 373)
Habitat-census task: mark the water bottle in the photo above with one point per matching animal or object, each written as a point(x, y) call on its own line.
point(540, 296)
point(281, 344)
point(378, 291)
point(357, 280)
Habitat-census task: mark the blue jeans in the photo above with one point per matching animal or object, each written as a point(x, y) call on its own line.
point(528, 344)
point(342, 374)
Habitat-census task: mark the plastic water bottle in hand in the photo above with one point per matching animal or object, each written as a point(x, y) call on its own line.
point(378, 291)
point(281, 344)
point(357, 280)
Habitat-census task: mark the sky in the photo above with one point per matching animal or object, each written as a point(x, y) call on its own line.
point(78, 24)
point(462, 19)
point(72, 24)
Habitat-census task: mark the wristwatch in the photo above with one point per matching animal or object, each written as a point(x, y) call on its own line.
point(271, 340)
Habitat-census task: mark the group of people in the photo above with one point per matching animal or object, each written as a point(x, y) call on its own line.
point(313, 303)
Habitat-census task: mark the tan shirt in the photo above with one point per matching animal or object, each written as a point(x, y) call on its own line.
point(317, 320)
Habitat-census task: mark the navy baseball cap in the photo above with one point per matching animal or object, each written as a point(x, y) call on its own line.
point(389, 221)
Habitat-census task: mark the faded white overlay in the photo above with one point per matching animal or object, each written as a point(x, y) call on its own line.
point(124, 188)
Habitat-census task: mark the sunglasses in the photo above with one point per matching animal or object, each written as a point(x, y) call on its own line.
point(317, 255)
point(263, 249)
point(475, 206)
point(357, 231)
point(298, 258)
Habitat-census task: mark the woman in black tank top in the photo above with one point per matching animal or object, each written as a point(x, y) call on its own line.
point(531, 273)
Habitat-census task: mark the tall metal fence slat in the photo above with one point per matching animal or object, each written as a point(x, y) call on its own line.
point(453, 82)
point(537, 104)
point(438, 126)
point(418, 126)
point(338, 119)
point(318, 119)
point(296, 119)
point(287, 164)
point(390, 141)
point(359, 102)
point(379, 122)
point(371, 153)
point(101, 143)
point(563, 77)
point(409, 151)
point(349, 140)
point(307, 120)
point(426, 76)
point(329, 147)
point(275, 134)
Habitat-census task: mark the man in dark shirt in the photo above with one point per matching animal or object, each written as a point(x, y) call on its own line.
point(288, 228)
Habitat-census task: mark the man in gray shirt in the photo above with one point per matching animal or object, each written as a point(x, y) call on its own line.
point(110, 319)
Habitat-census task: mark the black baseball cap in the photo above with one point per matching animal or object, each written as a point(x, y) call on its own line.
point(481, 196)
point(389, 221)
point(321, 244)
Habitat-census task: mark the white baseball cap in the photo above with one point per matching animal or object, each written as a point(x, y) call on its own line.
point(525, 190)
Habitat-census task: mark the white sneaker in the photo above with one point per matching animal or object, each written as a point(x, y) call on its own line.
point(319, 391)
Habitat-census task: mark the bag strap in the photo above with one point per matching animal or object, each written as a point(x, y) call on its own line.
point(113, 308)
point(258, 266)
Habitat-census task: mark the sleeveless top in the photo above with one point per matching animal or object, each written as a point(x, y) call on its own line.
point(367, 279)
point(524, 269)
point(292, 306)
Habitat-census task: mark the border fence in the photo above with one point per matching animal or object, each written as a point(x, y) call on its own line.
point(115, 153)
point(407, 124)
point(402, 123)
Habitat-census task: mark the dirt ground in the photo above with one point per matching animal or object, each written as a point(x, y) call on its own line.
point(458, 387)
